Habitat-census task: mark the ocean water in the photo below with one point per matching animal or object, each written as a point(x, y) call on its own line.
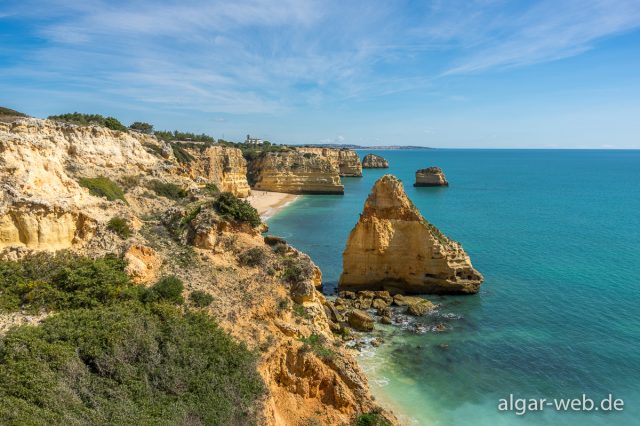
point(556, 235)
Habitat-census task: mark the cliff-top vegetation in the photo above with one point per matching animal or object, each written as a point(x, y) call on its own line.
point(115, 353)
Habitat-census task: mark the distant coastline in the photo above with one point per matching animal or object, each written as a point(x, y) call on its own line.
point(351, 146)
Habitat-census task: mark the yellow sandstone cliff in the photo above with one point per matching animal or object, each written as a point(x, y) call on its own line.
point(295, 172)
point(345, 160)
point(42, 207)
point(392, 247)
point(223, 166)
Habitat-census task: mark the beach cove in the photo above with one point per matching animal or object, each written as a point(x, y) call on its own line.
point(554, 234)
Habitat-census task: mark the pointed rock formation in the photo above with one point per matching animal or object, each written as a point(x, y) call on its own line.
point(431, 176)
point(372, 161)
point(392, 247)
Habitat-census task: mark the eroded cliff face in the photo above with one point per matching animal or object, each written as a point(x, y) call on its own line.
point(42, 207)
point(345, 160)
point(392, 247)
point(295, 172)
point(223, 166)
point(372, 161)
point(431, 176)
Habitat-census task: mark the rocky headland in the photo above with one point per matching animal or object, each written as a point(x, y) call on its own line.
point(295, 172)
point(392, 247)
point(431, 176)
point(373, 161)
point(345, 160)
point(93, 192)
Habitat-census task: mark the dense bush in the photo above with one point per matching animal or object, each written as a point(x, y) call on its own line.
point(63, 281)
point(201, 299)
point(126, 364)
point(168, 190)
point(231, 207)
point(183, 136)
point(212, 188)
point(120, 227)
point(89, 119)
point(297, 269)
point(142, 127)
point(371, 419)
point(11, 112)
point(129, 182)
point(103, 187)
point(181, 154)
point(168, 289)
point(255, 256)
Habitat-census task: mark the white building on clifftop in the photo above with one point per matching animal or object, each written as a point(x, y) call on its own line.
point(253, 141)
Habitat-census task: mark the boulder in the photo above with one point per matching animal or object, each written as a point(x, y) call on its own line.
point(143, 264)
point(420, 309)
point(360, 320)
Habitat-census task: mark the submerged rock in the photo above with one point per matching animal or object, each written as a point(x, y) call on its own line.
point(431, 176)
point(372, 161)
point(392, 247)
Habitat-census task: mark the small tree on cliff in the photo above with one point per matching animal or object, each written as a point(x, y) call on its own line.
point(142, 127)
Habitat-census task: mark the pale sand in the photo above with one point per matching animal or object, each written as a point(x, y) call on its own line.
point(269, 203)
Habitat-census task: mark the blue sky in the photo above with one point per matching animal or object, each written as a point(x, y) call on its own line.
point(484, 73)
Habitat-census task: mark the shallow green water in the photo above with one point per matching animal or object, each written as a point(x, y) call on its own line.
point(556, 235)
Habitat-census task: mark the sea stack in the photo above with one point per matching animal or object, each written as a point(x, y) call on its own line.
point(431, 176)
point(372, 161)
point(393, 248)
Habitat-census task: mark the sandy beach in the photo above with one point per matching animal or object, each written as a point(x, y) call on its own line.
point(269, 203)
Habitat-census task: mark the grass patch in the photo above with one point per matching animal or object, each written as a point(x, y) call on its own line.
point(299, 311)
point(316, 343)
point(120, 227)
point(167, 190)
point(103, 187)
point(201, 299)
point(8, 112)
point(231, 207)
point(212, 188)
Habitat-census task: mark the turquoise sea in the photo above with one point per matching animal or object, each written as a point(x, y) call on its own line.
point(557, 236)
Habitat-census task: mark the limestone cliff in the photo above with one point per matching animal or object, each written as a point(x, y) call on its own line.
point(431, 176)
point(372, 161)
point(393, 247)
point(295, 172)
point(345, 160)
point(223, 166)
point(42, 207)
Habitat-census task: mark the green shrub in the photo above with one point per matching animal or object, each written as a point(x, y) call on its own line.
point(371, 419)
point(201, 299)
point(316, 343)
point(127, 364)
point(231, 207)
point(253, 257)
point(120, 227)
point(181, 154)
point(153, 149)
point(300, 311)
point(89, 119)
point(63, 281)
point(142, 127)
point(130, 181)
point(168, 289)
point(103, 187)
point(297, 270)
point(183, 136)
point(168, 190)
point(10, 112)
point(212, 188)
